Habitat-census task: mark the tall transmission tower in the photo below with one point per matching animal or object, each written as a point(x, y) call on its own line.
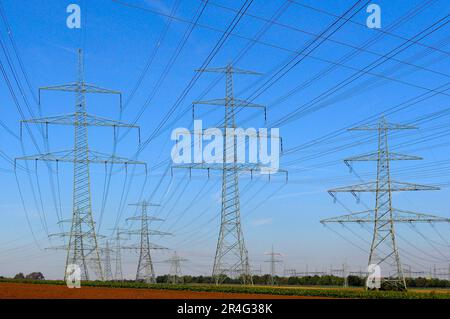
point(145, 270)
point(384, 216)
point(175, 274)
point(273, 261)
point(83, 246)
point(108, 276)
point(231, 257)
point(118, 273)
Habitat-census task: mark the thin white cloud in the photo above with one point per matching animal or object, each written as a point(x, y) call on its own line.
point(158, 4)
point(262, 221)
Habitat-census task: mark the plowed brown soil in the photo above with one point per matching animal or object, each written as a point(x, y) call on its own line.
point(36, 291)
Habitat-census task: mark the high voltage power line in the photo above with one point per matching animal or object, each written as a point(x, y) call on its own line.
point(82, 249)
point(177, 193)
point(145, 269)
point(384, 216)
point(231, 257)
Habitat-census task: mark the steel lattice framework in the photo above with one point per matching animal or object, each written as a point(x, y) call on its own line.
point(145, 269)
point(118, 273)
point(231, 257)
point(384, 216)
point(273, 261)
point(83, 247)
point(106, 251)
point(175, 274)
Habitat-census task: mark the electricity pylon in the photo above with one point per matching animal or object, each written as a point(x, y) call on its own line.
point(83, 247)
point(145, 270)
point(107, 262)
point(175, 275)
point(344, 271)
point(384, 216)
point(231, 257)
point(273, 261)
point(118, 273)
point(345, 274)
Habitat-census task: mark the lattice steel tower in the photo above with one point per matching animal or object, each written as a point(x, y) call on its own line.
point(145, 270)
point(106, 251)
point(231, 258)
point(384, 250)
point(175, 275)
point(273, 261)
point(118, 273)
point(82, 249)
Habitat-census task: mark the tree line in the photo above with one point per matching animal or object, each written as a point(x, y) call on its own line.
point(325, 280)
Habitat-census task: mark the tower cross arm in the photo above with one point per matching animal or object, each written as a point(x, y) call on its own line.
point(218, 166)
point(383, 125)
point(230, 69)
point(71, 119)
point(273, 261)
point(150, 232)
point(69, 157)
point(398, 216)
point(145, 204)
point(237, 132)
point(61, 247)
point(149, 218)
point(175, 259)
point(375, 157)
point(373, 187)
point(138, 247)
point(233, 102)
point(242, 167)
point(79, 87)
point(97, 157)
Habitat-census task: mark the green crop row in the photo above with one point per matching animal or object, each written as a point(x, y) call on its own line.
point(297, 291)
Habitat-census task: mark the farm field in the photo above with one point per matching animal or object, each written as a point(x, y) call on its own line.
point(130, 290)
point(48, 291)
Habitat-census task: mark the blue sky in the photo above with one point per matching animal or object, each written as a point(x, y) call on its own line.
point(118, 40)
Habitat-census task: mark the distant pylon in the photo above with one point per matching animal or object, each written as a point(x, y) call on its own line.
point(290, 272)
point(231, 257)
point(448, 272)
point(257, 270)
point(273, 261)
point(175, 274)
point(345, 273)
point(384, 216)
point(82, 249)
point(118, 273)
point(107, 262)
point(145, 270)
